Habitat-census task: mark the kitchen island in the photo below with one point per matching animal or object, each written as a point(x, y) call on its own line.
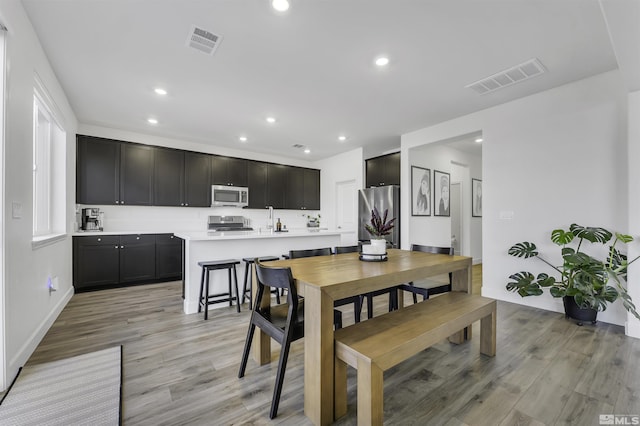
point(205, 246)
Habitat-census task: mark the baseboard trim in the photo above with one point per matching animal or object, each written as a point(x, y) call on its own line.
point(36, 337)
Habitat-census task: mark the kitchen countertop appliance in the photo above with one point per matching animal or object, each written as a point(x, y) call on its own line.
point(92, 219)
point(217, 224)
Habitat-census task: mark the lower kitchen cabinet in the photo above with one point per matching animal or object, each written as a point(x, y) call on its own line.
point(137, 258)
point(119, 260)
point(168, 256)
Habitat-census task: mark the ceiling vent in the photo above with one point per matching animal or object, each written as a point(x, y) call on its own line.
point(203, 40)
point(297, 145)
point(517, 74)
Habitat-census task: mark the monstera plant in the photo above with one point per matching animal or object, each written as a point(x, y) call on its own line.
point(591, 282)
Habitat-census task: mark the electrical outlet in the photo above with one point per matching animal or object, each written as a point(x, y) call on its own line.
point(16, 210)
point(52, 284)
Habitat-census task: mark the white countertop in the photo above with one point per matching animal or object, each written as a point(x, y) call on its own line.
point(205, 236)
point(246, 235)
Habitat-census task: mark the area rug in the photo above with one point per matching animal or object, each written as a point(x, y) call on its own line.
point(82, 390)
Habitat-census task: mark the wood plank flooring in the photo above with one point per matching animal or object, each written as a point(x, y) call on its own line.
point(182, 370)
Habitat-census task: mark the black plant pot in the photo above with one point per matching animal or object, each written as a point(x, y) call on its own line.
point(572, 310)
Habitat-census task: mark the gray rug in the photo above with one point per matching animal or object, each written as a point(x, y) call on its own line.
point(82, 390)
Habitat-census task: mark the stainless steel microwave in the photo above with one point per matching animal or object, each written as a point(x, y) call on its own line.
point(232, 196)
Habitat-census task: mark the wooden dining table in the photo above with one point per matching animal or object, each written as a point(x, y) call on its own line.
point(323, 279)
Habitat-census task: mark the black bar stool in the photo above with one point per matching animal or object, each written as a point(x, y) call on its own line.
point(207, 299)
point(248, 277)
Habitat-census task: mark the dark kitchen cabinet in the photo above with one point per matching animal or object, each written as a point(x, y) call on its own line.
point(276, 185)
point(168, 177)
point(168, 256)
point(257, 183)
point(136, 174)
point(96, 261)
point(311, 189)
point(197, 179)
point(118, 260)
point(384, 170)
point(181, 178)
point(303, 189)
point(113, 172)
point(228, 171)
point(137, 258)
point(97, 171)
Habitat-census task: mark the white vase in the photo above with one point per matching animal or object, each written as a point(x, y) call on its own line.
point(378, 246)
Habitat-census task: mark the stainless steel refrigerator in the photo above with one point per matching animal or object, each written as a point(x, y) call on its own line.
point(383, 198)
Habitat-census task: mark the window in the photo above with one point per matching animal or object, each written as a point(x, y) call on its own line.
point(49, 195)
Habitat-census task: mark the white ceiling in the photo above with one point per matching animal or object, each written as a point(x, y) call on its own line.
point(311, 67)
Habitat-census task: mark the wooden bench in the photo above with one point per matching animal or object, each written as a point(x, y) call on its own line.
point(378, 344)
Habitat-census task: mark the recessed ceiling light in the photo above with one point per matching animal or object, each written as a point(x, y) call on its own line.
point(280, 5)
point(160, 91)
point(152, 121)
point(243, 138)
point(307, 151)
point(382, 61)
point(342, 138)
point(271, 120)
point(478, 140)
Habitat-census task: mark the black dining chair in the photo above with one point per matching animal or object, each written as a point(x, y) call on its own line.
point(428, 288)
point(356, 300)
point(284, 323)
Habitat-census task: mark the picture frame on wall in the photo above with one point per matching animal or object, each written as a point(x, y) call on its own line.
point(476, 198)
point(441, 189)
point(420, 191)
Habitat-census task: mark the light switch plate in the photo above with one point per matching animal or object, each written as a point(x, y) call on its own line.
point(16, 210)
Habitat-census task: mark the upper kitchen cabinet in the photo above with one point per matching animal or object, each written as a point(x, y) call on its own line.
point(257, 183)
point(136, 174)
point(229, 171)
point(276, 185)
point(181, 178)
point(303, 189)
point(168, 177)
point(384, 170)
point(113, 172)
point(197, 179)
point(97, 171)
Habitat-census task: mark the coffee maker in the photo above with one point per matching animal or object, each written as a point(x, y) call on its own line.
point(92, 219)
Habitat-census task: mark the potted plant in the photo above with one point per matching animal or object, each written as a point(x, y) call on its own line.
point(586, 283)
point(378, 228)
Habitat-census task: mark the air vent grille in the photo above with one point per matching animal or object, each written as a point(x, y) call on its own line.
point(203, 40)
point(297, 145)
point(517, 74)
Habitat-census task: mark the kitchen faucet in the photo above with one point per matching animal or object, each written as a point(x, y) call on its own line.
point(270, 223)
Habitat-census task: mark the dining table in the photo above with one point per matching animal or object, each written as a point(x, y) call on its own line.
point(323, 279)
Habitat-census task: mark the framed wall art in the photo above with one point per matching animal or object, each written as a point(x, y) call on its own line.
point(420, 191)
point(476, 198)
point(441, 188)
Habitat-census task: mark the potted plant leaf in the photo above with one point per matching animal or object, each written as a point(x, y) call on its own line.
point(586, 283)
point(378, 228)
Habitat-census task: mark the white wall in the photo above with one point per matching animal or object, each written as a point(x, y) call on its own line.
point(633, 328)
point(345, 167)
point(554, 158)
point(29, 308)
point(436, 230)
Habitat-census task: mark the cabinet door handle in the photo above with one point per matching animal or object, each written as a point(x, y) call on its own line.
point(121, 247)
point(116, 246)
point(99, 239)
point(186, 204)
point(117, 202)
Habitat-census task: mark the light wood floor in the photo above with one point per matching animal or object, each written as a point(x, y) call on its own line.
point(180, 369)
